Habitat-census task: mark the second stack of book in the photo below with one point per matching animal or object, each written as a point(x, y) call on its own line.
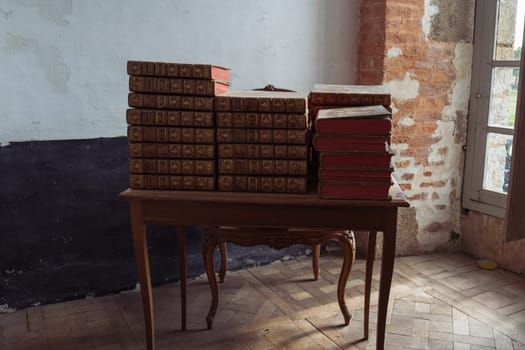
point(171, 130)
point(354, 153)
point(262, 140)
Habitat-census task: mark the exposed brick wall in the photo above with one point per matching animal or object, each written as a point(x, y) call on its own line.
point(371, 45)
point(429, 78)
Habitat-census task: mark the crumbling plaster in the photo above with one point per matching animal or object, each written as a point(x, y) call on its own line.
point(432, 178)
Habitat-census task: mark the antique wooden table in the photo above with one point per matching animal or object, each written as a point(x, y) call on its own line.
point(183, 208)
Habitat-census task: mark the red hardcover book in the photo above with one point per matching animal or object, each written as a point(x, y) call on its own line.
point(355, 159)
point(349, 95)
point(355, 174)
point(360, 120)
point(354, 190)
point(261, 101)
point(346, 143)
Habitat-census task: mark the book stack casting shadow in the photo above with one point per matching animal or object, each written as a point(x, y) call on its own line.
point(171, 125)
point(262, 141)
point(352, 141)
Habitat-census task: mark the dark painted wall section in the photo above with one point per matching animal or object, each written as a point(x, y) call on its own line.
point(64, 233)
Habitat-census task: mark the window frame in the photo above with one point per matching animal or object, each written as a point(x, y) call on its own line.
point(483, 62)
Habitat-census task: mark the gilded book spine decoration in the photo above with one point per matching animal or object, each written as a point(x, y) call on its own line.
point(171, 124)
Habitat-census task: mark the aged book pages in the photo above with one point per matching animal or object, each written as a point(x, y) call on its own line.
point(359, 120)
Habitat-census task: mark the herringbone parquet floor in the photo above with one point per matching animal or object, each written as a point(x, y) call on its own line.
point(438, 301)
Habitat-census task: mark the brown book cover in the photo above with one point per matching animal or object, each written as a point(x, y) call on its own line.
point(167, 134)
point(171, 166)
point(261, 101)
point(354, 190)
point(137, 116)
point(355, 174)
point(177, 86)
point(178, 70)
point(261, 120)
point(280, 136)
point(270, 184)
point(355, 159)
point(358, 120)
point(171, 150)
point(263, 166)
point(196, 103)
point(350, 143)
point(248, 150)
point(349, 95)
point(172, 182)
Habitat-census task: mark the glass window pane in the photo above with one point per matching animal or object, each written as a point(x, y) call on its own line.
point(503, 96)
point(497, 162)
point(510, 29)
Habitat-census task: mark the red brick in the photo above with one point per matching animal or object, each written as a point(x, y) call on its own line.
point(435, 196)
point(439, 183)
point(427, 173)
point(405, 187)
point(402, 164)
point(407, 176)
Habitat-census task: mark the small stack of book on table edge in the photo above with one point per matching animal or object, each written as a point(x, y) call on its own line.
point(262, 141)
point(352, 137)
point(171, 125)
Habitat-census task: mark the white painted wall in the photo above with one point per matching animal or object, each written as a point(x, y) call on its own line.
point(63, 62)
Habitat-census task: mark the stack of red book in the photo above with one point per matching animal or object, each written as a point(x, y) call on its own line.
point(171, 132)
point(354, 157)
point(262, 141)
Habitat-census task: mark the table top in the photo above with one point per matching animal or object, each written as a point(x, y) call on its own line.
point(398, 199)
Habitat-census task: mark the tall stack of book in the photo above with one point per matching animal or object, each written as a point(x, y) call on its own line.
point(171, 124)
point(352, 138)
point(262, 141)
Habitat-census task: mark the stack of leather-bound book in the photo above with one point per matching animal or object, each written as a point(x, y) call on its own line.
point(171, 124)
point(262, 141)
point(352, 137)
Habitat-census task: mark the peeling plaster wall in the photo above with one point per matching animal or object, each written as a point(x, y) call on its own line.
point(62, 62)
point(428, 55)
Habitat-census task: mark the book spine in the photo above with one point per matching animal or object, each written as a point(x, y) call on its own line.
point(355, 174)
point(268, 184)
point(182, 70)
point(354, 126)
point(171, 166)
point(355, 159)
point(280, 136)
point(263, 166)
point(198, 103)
point(169, 118)
point(338, 143)
point(166, 134)
point(261, 120)
point(175, 86)
point(260, 104)
point(342, 99)
point(172, 182)
point(247, 150)
point(171, 150)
